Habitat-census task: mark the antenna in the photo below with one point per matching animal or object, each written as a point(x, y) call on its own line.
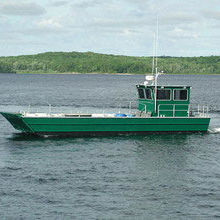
point(156, 46)
point(156, 68)
point(153, 56)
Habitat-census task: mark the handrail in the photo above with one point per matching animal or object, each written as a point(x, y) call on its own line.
point(202, 111)
point(145, 107)
point(173, 110)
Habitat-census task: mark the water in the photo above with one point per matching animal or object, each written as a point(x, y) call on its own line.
point(167, 176)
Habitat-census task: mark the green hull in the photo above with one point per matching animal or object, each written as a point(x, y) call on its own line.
point(93, 126)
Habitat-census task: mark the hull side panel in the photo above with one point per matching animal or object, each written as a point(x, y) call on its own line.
point(117, 124)
point(105, 125)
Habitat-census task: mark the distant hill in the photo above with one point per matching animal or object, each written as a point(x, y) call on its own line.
point(89, 62)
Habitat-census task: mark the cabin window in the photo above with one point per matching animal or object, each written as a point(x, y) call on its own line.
point(180, 94)
point(148, 94)
point(141, 93)
point(163, 94)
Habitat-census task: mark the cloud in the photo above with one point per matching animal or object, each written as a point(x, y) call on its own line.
point(59, 3)
point(49, 23)
point(178, 18)
point(21, 8)
point(87, 4)
point(181, 33)
point(118, 26)
point(211, 14)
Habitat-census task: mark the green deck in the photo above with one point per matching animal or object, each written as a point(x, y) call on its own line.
point(77, 126)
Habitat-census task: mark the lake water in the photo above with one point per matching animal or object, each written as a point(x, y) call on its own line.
point(166, 176)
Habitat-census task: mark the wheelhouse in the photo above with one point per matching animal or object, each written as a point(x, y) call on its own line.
point(164, 101)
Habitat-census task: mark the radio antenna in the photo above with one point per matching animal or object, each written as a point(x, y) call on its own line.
point(156, 68)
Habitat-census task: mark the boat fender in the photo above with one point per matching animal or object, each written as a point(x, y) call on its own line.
point(119, 115)
point(130, 116)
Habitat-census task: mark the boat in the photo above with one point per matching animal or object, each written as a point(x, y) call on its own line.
point(161, 108)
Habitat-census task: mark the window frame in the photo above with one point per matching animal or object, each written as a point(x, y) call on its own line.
point(150, 94)
point(181, 100)
point(143, 93)
point(165, 99)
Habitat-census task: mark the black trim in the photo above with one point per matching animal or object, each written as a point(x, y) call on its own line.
point(110, 133)
point(113, 124)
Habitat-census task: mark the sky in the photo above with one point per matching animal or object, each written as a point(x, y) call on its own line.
point(123, 27)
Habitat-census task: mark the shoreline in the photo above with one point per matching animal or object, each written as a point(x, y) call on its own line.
point(119, 74)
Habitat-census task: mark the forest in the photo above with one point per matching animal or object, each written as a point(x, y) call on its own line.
point(89, 62)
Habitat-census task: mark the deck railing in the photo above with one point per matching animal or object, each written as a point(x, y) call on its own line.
point(163, 110)
point(190, 110)
point(172, 109)
point(180, 110)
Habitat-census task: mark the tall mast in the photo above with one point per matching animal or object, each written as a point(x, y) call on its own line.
point(156, 68)
point(153, 56)
point(156, 46)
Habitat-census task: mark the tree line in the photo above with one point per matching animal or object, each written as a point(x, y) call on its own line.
point(89, 62)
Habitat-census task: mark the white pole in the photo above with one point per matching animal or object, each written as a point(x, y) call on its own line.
point(156, 69)
point(155, 95)
point(130, 108)
point(154, 48)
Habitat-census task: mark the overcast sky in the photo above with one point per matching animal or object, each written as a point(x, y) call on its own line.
point(126, 27)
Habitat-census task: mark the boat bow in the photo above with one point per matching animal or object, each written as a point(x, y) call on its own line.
point(17, 121)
